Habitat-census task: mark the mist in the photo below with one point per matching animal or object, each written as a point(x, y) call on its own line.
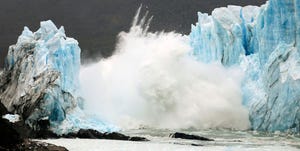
point(153, 81)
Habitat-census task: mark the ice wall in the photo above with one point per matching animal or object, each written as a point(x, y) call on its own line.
point(40, 80)
point(224, 35)
point(265, 43)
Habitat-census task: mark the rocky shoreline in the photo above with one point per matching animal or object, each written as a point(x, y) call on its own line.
point(29, 145)
point(16, 136)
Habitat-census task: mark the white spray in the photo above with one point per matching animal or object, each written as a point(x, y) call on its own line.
point(152, 81)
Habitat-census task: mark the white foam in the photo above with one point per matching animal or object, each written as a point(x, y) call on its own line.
point(152, 81)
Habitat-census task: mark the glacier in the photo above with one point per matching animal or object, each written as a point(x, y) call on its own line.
point(40, 81)
point(264, 42)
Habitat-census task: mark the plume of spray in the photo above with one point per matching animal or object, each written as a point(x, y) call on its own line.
point(152, 81)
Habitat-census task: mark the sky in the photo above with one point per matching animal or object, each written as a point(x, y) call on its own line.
point(96, 23)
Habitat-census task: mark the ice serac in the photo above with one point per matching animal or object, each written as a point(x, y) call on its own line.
point(41, 80)
point(225, 35)
point(264, 41)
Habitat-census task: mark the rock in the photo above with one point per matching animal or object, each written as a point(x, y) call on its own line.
point(13, 137)
point(15, 133)
point(115, 136)
point(197, 145)
point(37, 146)
point(11, 133)
point(9, 136)
point(89, 133)
point(44, 134)
point(23, 130)
point(93, 134)
point(187, 136)
point(3, 110)
point(138, 139)
point(119, 136)
point(69, 135)
point(44, 130)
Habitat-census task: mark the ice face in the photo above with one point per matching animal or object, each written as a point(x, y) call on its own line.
point(40, 80)
point(224, 35)
point(264, 42)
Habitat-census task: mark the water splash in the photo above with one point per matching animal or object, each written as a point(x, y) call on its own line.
point(152, 81)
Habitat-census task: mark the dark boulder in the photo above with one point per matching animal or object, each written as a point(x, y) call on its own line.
point(14, 136)
point(197, 144)
point(9, 136)
point(119, 136)
point(23, 129)
point(43, 134)
point(115, 136)
point(10, 132)
point(37, 146)
point(138, 139)
point(93, 134)
point(3, 110)
point(69, 135)
point(89, 133)
point(187, 136)
point(43, 131)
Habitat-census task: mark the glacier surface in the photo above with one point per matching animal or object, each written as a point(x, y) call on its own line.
point(41, 81)
point(264, 42)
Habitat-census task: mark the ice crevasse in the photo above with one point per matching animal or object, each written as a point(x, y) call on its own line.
point(265, 42)
point(41, 81)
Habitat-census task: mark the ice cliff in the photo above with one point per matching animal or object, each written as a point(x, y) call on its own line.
point(40, 80)
point(265, 42)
